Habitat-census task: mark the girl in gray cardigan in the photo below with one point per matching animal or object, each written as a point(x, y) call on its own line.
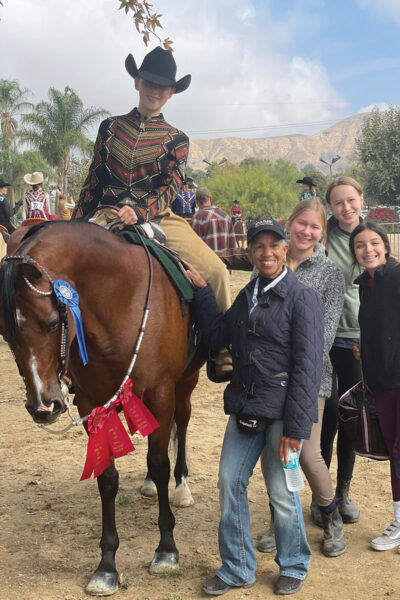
point(307, 258)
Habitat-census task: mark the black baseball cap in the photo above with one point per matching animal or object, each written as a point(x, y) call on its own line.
point(267, 224)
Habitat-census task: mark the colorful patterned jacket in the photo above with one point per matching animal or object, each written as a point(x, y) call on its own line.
point(139, 162)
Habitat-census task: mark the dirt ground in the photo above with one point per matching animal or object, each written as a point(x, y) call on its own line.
point(50, 521)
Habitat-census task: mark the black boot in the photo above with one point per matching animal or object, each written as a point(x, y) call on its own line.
point(349, 512)
point(333, 543)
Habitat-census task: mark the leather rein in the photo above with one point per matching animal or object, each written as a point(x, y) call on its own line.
point(64, 379)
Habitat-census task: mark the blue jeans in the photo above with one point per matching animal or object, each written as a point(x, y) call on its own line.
point(240, 453)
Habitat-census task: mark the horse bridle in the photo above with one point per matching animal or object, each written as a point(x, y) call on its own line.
point(61, 307)
point(64, 348)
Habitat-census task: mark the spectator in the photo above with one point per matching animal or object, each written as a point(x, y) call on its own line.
point(275, 327)
point(211, 223)
point(5, 210)
point(64, 207)
point(379, 318)
point(36, 202)
point(236, 211)
point(185, 203)
point(308, 188)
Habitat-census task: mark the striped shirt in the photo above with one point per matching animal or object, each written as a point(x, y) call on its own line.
point(214, 226)
point(136, 161)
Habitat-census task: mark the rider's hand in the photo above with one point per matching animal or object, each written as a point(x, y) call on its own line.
point(126, 215)
point(195, 276)
point(356, 352)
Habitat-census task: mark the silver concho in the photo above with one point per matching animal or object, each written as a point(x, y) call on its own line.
point(65, 292)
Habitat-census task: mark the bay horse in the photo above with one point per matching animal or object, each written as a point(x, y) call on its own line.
point(240, 231)
point(111, 277)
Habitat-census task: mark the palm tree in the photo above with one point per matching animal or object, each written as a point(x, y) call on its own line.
point(58, 126)
point(12, 103)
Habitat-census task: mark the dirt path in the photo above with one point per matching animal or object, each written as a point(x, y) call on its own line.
point(50, 522)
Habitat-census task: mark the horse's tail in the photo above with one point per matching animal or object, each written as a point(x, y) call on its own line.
point(8, 303)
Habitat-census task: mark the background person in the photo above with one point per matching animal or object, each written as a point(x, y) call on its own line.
point(184, 204)
point(379, 318)
point(306, 257)
point(138, 167)
point(36, 202)
point(211, 223)
point(275, 327)
point(5, 209)
point(236, 211)
point(308, 188)
point(345, 198)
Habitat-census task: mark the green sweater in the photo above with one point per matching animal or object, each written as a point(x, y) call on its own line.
point(339, 252)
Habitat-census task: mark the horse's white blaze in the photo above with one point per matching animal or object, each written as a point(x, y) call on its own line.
point(37, 382)
point(20, 317)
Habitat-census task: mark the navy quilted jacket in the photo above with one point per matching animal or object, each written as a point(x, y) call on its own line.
point(276, 353)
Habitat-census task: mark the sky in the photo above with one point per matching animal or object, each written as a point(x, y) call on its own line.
point(259, 68)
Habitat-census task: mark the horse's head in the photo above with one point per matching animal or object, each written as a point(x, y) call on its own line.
point(31, 324)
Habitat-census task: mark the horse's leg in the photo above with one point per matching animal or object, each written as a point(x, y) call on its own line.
point(166, 556)
point(104, 581)
point(182, 496)
point(148, 489)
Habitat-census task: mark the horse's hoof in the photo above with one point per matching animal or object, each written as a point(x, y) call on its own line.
point(148, 489)
point(182, 497)
point(103, 584)
point(164, 562)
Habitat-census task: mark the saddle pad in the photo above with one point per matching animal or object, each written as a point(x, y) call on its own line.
point(182, 284)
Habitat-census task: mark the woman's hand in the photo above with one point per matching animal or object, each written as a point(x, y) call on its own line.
point(287, 444)
point(195, 276)
point(126, 215)
point(356, 352)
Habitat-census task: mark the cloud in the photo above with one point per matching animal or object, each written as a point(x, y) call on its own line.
point(382, 9)
point(244, 77)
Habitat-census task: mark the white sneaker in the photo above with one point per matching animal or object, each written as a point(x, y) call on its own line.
point(389, 539)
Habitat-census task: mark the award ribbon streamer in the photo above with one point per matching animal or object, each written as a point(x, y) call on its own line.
point(66, 294)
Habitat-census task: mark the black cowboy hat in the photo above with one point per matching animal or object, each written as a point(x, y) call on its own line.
point(307, 181)
point(158, 67)
point(4, 183)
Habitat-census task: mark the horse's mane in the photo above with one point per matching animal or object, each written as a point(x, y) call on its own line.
point(8, 303)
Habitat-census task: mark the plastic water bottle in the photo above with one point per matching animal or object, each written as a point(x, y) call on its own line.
point(294, 478)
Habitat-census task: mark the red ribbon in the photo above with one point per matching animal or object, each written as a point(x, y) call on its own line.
point(107, 435)
point(137, 415)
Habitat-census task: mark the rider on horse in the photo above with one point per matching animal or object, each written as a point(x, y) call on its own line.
point(236, 211)
point(138, 166)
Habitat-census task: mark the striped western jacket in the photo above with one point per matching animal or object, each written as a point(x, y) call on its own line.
point(136, 161)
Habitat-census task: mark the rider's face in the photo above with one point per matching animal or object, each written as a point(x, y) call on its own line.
point(152, 97)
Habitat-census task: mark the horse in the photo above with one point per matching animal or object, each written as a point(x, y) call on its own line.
point(240, 231)
point(112, 278)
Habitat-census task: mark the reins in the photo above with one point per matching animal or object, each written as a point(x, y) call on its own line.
point(64, 349)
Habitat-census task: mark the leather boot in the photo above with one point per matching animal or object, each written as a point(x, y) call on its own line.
point(316, 514)
point(349, 512)
point(333, 543)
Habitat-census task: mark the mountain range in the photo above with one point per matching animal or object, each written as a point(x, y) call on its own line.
point(302, 150)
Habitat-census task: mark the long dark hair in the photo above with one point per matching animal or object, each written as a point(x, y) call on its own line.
point(372, 226)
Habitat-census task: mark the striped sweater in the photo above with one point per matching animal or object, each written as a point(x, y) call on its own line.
point(136, 161)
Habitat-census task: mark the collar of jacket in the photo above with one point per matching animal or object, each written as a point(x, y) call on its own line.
point(281, 289)
point(380, 272)
point(318, 254)
point(137, 115)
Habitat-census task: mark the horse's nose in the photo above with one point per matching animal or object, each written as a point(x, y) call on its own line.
point(47, 410)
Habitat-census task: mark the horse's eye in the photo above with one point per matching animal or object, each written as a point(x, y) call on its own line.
point(53, 324)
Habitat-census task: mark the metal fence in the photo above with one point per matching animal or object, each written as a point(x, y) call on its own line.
point(393, 231)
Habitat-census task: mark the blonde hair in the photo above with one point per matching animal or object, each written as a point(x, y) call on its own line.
point(62, 196)
point(314, 204)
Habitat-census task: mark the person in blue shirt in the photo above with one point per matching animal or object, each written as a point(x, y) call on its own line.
point(308, 188)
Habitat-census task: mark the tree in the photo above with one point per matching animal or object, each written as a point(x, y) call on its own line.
point(145, 21)
point(58, 126)
point(379, 154)
point(13, 101)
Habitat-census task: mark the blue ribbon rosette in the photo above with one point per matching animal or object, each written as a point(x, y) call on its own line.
point(66, 293)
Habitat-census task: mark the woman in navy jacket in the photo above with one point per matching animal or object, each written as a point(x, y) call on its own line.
point(275, 330)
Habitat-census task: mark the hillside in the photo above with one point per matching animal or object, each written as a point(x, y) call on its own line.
point(298, 149)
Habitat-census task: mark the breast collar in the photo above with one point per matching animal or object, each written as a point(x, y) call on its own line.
point(254, 300)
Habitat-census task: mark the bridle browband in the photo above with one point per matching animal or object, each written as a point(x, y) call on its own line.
point(64, 349)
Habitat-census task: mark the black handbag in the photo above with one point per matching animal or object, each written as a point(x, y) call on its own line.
point(359, 421)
